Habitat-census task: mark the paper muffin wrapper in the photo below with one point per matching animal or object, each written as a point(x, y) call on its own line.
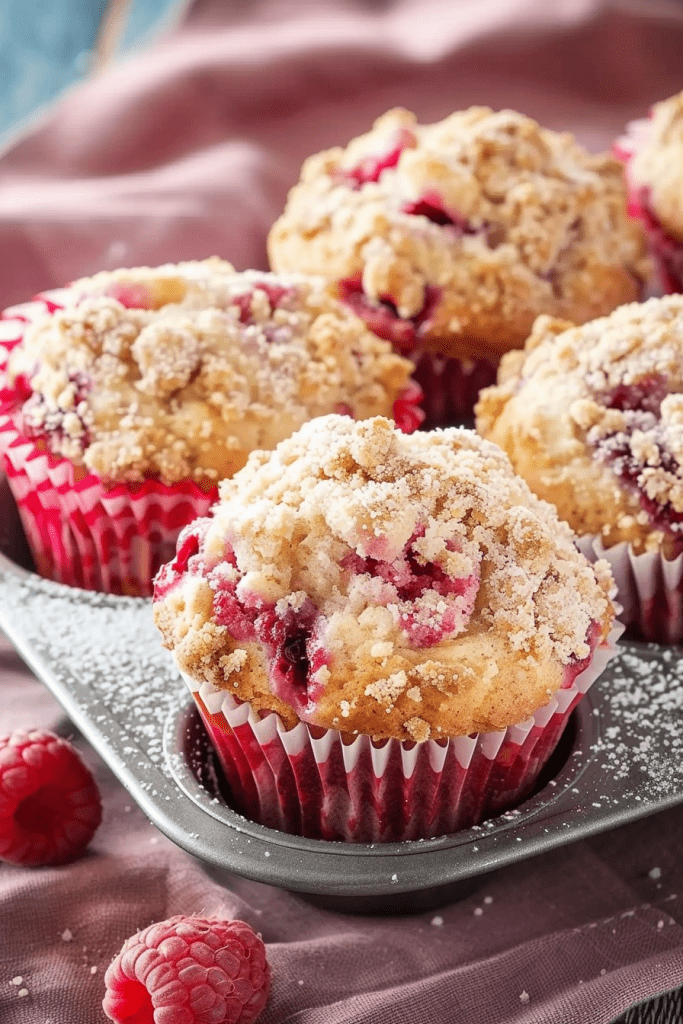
point(324, 784)
point(649, 589)
point(86, 535)
point(665, 250)
point(451, 386)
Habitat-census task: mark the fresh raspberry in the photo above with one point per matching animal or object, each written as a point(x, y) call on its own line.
point(50, 805)
point(188, 970)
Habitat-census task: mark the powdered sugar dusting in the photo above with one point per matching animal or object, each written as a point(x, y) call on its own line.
point(106, 652)
point(641, 748)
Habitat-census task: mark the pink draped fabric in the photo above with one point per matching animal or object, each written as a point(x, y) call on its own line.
point(187, 150)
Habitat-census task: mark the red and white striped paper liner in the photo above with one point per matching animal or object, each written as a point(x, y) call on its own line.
point(324, 784)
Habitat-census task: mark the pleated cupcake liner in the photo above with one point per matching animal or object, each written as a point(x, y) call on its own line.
point(649, 589)
point(451, 386)
point(87, 535)
point(325, 784)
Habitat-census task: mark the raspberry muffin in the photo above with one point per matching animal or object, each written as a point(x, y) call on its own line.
point(449, 239)
point(129, 395)
point(653, 153)
point(384, 634)
point(592, 418)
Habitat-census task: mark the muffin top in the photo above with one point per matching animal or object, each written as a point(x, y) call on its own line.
point(457, 234)
point(399, 586)
point(178, 372)
point(592, 418)
point(657, 163)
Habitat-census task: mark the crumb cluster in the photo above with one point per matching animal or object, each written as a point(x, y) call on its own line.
point(469, 227)
point(656, 164)
point(178, 372)
point(365, 580)
point(592, 418)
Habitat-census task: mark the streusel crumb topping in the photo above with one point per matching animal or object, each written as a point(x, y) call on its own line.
point(592, 418)
point(361, 579)
point(657, 164)
point(464, 230)
point(178, 372)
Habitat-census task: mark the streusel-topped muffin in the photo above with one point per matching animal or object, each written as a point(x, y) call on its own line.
point(157, 382)
point(399, 587)
point(653, 151)
point(453, 237)
point(179, 372)
point(592, 418)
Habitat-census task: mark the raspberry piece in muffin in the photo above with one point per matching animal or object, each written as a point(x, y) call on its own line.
point(396, 586)
point(450, 238)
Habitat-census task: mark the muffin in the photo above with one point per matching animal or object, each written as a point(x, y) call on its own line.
point(127, 397)
point(592, 418)
point(652, 150)
point(449, 239)
point(384, 633)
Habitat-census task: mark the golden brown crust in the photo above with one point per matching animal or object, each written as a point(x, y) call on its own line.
point(179, 372)
point(592, 418)
point(541, 226)
point(435, 594)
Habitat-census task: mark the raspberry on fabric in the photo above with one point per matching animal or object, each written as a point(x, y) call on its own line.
point(188, 970)
point(50, 806)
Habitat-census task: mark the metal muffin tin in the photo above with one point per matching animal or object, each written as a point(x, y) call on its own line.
point(101, 657)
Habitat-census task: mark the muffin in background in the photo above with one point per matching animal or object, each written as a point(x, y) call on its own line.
point(129, 395)
point(449, 239)
point(592, 418)
point(652, 150)
point(384, 634)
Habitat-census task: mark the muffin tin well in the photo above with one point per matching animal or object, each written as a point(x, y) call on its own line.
point(101, 657)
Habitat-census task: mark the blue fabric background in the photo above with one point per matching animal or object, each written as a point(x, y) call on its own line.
point(47, 45)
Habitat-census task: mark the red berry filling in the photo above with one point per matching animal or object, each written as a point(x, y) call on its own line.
point(414, 586)
point(431, 206)
point(131, 295)
point(40, 421)
point(274, 293)
point(371, 167)
point(667, 249)
point(407, 412)
point(186, 560)
point(50, 805)
point(188, 970)
point(291, 637)
point(577, 666)
point(641, 404)
point(382, 317)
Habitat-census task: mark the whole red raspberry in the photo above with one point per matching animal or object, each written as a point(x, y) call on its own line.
point(188, 970)
point(50, 805)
